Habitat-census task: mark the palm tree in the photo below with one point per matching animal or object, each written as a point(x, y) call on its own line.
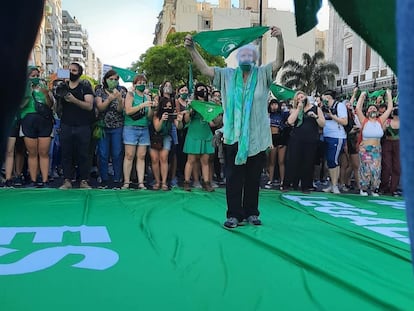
point(313, 75)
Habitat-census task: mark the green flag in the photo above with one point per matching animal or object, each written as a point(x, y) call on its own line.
point(305, 15)
point(208, 110)
point(375, 94)
point(374, 21)
point(282, 92)
point(223, 42)
point(125, 74)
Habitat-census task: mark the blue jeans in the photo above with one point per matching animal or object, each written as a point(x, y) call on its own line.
point(110, 144)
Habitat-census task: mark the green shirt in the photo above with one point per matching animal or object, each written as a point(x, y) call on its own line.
point(144, 121)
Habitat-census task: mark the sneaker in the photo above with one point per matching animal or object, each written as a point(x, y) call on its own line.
point(363, 193)
point(103, 185)
point(345, 188)
point(8, 183)
point(231, 223)
point(254, 220)
point(327, 189)
point(67, 184)
point(32, 184)
point(19, 180)
point(268, 185)
point(214, 184)
point(84, 184)
point(196, 184)
point(375, 193)
point(174, 183)
point(335, 190)
point(186, 186)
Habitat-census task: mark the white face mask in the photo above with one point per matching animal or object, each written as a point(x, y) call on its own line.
point(167, 90)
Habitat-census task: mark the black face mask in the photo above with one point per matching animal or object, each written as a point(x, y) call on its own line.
point(202, 94)
point(73, 77)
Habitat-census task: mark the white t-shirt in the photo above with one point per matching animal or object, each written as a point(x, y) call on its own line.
point(332, 128)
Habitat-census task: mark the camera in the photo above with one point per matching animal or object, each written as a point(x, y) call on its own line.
point(326, 109)
point(172, 116)
point(60, 89)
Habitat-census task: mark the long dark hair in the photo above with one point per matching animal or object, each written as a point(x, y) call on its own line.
point(108, 74)
point(161, 106)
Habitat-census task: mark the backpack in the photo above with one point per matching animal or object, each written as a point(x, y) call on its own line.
point(351, 122)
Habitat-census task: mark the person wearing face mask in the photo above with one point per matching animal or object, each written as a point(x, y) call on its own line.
point(167, 92)
point(198, 142)
point(246, 132)
point(370, 145)
point(391, 167)
point(76, 128)
point(182, 102)
point(162, 122)
point(334, 135)
point(136, 134)
point(36, 128)
point(110, 102)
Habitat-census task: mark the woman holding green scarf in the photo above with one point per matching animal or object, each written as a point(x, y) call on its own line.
point(305, 119)
point(246, 125)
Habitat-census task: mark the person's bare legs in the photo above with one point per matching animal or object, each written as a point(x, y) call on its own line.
point(43, 149)
point(9, 162)
point(127, 165)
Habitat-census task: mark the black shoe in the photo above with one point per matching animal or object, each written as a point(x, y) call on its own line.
point(103, 185)
point(254, 220)
point(8, 183)
point(231, 223)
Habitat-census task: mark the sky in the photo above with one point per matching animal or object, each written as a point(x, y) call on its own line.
point(120, 31)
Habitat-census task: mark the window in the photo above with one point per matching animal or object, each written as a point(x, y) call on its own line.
point(349, 60)
point(367, 58)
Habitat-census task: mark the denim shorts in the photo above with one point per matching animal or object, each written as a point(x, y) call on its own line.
point(166, 144)
point(136, 135)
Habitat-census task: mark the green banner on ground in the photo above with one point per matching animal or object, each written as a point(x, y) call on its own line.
point(147, 250)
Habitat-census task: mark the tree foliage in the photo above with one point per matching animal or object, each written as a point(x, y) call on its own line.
point(171, 62)
point(314, 74)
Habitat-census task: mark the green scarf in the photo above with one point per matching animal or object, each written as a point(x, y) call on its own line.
point(237, 113)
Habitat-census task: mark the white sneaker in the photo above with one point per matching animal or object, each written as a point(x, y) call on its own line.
point(335, 190)
point(374, 194)
point(363, 193)
point(327, 189)
point(196, 184)
point(268, 185)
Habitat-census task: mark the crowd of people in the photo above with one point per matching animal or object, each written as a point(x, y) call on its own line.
point(350, 144)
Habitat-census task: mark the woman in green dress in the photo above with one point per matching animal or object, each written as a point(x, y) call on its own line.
point(198, 142)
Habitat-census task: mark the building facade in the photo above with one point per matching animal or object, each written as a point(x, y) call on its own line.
point(190, 15)
point(60, 41)
point(359, 65)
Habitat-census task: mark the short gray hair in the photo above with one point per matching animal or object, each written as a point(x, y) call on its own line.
point(250, 47)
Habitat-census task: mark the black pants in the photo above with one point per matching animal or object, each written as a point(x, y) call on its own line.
point(75, 141)
point(300, 164)
point(242, 183)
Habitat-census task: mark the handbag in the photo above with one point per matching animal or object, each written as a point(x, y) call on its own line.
point(42, 109)
point(157, 140)
point(139, 114)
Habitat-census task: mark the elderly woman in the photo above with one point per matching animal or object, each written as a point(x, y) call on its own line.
point(246, 125)
point(370, 144)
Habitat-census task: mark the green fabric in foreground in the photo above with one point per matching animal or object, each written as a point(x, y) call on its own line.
point(146, 250)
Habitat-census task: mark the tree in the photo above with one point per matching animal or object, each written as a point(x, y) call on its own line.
point(313, 75)
point(171, 62)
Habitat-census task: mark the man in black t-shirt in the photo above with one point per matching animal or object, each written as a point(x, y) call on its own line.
point(76, 121)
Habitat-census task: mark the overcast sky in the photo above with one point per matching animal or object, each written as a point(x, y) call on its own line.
point(120, 31)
